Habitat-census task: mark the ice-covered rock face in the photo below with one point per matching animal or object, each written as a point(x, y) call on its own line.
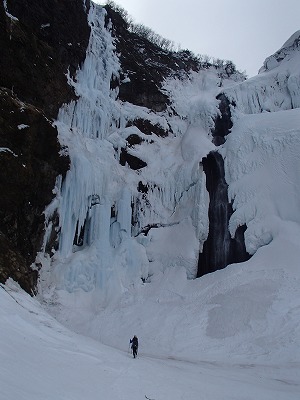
point(37, 47)
point(277, 87)
point(122, 221)
point(261, 149)
point(135, 201)
point(222, 247)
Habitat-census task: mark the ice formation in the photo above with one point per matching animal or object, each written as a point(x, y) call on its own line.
point(115, 235)
point(277, 86)
point(112, 235)
point(262, 151)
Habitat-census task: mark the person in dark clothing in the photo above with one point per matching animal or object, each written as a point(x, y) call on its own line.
point(134, 345)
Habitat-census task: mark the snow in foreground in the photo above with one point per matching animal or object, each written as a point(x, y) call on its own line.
point(231, 335)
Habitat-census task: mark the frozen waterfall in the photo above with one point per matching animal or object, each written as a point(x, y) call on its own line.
point(112, 234)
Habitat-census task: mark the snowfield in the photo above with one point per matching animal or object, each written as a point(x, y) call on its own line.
point(230, 335)
point(234, 334)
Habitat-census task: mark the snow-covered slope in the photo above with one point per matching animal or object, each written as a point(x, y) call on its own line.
point(276, 87)
point(262, 169)
point(233, 334)
point(245, 313)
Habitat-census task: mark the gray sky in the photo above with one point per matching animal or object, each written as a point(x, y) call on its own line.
point(243, 31)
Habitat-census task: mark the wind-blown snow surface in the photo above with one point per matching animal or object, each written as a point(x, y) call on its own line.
point(233, 334)
point(189, 333)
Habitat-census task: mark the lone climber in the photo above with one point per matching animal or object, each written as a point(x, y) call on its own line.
point(134, 345)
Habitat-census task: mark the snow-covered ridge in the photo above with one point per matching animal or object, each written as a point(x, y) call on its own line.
point(276, 87)
point(291, 45)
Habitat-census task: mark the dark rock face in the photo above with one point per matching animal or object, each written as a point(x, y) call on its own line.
point(146, 65)
point(37, 48)
point(223, 122)
point(132, 161)
point(133, 139)
point(33, 150)
point(219, 250)
point(29, 165)
point(148, 128)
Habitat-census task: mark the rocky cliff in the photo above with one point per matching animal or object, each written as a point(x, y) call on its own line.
point(41, 41)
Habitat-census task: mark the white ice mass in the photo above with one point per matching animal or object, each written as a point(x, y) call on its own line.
point(101, 197)
point(232, 334)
